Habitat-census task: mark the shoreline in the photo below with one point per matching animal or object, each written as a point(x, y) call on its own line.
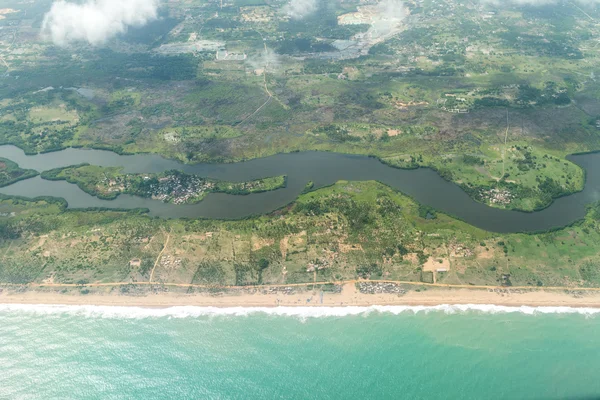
point(348, 297)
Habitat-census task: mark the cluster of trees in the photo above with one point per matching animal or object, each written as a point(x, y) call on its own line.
point(369, 271)
point(557, 45)
point(246, 274)
point(491, 102)
point(551, 188)
point(472, 160)
point(318, 67)
point(527, 162)
point(322, 23)
point(427, 212)
point(550, 94)
point(303, 45)
point(118, 105)
point(358, 215)
point(23, 136)
point(100, 67)
point(337, 133)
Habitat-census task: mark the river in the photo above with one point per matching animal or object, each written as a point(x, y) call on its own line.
point(424, 185)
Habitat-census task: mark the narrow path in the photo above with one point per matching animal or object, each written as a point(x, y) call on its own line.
point(159, 256)
point(265, 72)
point(270, 96)
point(504, 150)
point(586, 14)
point(8, 249)
point(8, 49)
point(5, 63)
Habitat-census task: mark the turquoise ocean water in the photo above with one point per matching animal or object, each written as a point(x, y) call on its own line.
point(484, 352)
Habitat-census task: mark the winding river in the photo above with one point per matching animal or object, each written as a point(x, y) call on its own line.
point(424, 185)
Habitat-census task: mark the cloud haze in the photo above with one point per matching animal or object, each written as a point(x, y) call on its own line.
point(95, 21)
point(266, 60)
point(389, 15)
point(298, 9)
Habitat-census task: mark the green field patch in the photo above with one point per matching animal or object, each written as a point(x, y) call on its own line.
point(179, 134)
point(123, 99)
point(59, 114)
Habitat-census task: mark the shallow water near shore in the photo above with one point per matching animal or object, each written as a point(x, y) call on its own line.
point(85, 352)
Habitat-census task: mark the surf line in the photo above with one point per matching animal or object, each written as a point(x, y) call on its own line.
point(134, 312)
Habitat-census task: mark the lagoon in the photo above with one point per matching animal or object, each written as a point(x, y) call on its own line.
point(424, 185)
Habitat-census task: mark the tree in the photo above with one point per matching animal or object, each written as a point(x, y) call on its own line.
point(263, 264)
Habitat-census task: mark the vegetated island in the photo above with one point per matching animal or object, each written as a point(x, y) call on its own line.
point(353, 243)
point(171, 186)
point(526, 179)
point(11, 173)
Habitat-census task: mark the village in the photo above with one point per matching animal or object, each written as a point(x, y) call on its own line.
point(179, 188)
point(497, 196)
point(176, 188)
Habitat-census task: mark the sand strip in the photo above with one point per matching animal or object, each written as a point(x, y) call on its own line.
point(349, 296)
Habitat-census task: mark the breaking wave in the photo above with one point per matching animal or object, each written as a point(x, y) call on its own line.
point(299, 312)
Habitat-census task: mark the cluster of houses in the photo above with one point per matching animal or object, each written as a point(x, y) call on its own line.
point(498, 196)
point(381, 288)
point(180, 189)
point(176, 187)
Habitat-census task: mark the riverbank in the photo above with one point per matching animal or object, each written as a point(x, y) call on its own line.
point(349, 296)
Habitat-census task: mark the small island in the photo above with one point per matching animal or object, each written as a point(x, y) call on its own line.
point(172, 186)
point(11, 173)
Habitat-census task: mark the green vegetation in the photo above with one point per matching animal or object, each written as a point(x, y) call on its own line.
point(348, 230)
point(11, 173)
point(515, 176)
point(308, 187)
point(170, 186)
point(257, 186)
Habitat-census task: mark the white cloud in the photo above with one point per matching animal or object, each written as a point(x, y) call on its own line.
point(95, 21)
point(388, 17)
point(266, 60)
point(298, 9)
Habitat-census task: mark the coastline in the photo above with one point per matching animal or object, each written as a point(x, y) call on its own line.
point(349, 297)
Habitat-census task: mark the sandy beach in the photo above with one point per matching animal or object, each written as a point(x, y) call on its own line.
point(349, 296)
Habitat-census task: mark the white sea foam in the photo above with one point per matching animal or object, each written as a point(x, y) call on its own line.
point(298, 312)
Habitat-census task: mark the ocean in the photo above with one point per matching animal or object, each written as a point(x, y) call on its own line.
point(444, 352)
